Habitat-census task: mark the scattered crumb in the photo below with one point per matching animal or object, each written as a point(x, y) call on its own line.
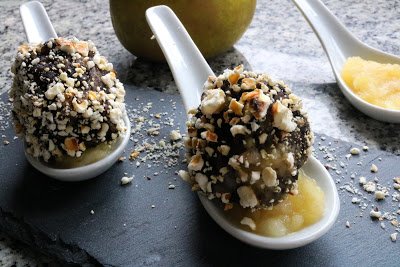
point(375, 214)
point(153, 206)
point(365, 148)
point(362, 180)
point(92, 212)
point(354, 151)
point(347, 224)
point(175, 135)
point(162, 143)
point(393, 237)
point(121, 159)
point(171, 186)
point(5, 142)
point(153, 131)
point(374, 168)
point(370, 187)
point(134, 154)
point(379, 195)
point(126, 180)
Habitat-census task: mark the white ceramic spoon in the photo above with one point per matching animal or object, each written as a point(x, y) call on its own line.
point(339, 44)
point(38, 29)
point(37, 25)
point(190, 71)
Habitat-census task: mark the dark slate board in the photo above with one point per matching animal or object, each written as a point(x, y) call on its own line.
point(55, 218)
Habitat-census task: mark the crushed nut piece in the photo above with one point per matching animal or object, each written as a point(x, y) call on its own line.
point(393, 237)
point(379, 195)
point(134, 155)
point(126, 180)
point(175, 135)
point(354, 151)
point(374, 168)
point(375, 214)
point(171, 186)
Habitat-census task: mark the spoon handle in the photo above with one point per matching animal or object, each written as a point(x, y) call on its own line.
point(187, 64)
point(336, 40)
point(38, 27)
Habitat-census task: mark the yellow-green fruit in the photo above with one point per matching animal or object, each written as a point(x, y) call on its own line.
point(214, 25)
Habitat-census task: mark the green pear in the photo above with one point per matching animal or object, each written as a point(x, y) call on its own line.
point(214, 25)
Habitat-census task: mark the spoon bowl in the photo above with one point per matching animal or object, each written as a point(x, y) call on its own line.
point(190, 71)
point(88, 171)
point(339, 44)
point(312, 168)
point(38, 28)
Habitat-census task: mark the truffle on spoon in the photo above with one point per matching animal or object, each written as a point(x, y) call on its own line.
point(66, 98)
point(247, 140)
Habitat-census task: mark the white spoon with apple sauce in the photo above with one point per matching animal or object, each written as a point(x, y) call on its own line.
point(190, 71)
point(339, 44)
point(38, 29)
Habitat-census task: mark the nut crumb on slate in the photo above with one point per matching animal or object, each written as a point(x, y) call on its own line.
point(370, 187)
point(393, 237)
point(175, 135)
point(134, 154)
point(354, 151)
point(371, 194)
point(92, 212)
point(375, 214)
point(374, 168)
point(379, 195)
point(126, 180)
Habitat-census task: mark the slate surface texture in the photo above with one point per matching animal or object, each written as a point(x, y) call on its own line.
point(278, 42)
point(127, 230)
